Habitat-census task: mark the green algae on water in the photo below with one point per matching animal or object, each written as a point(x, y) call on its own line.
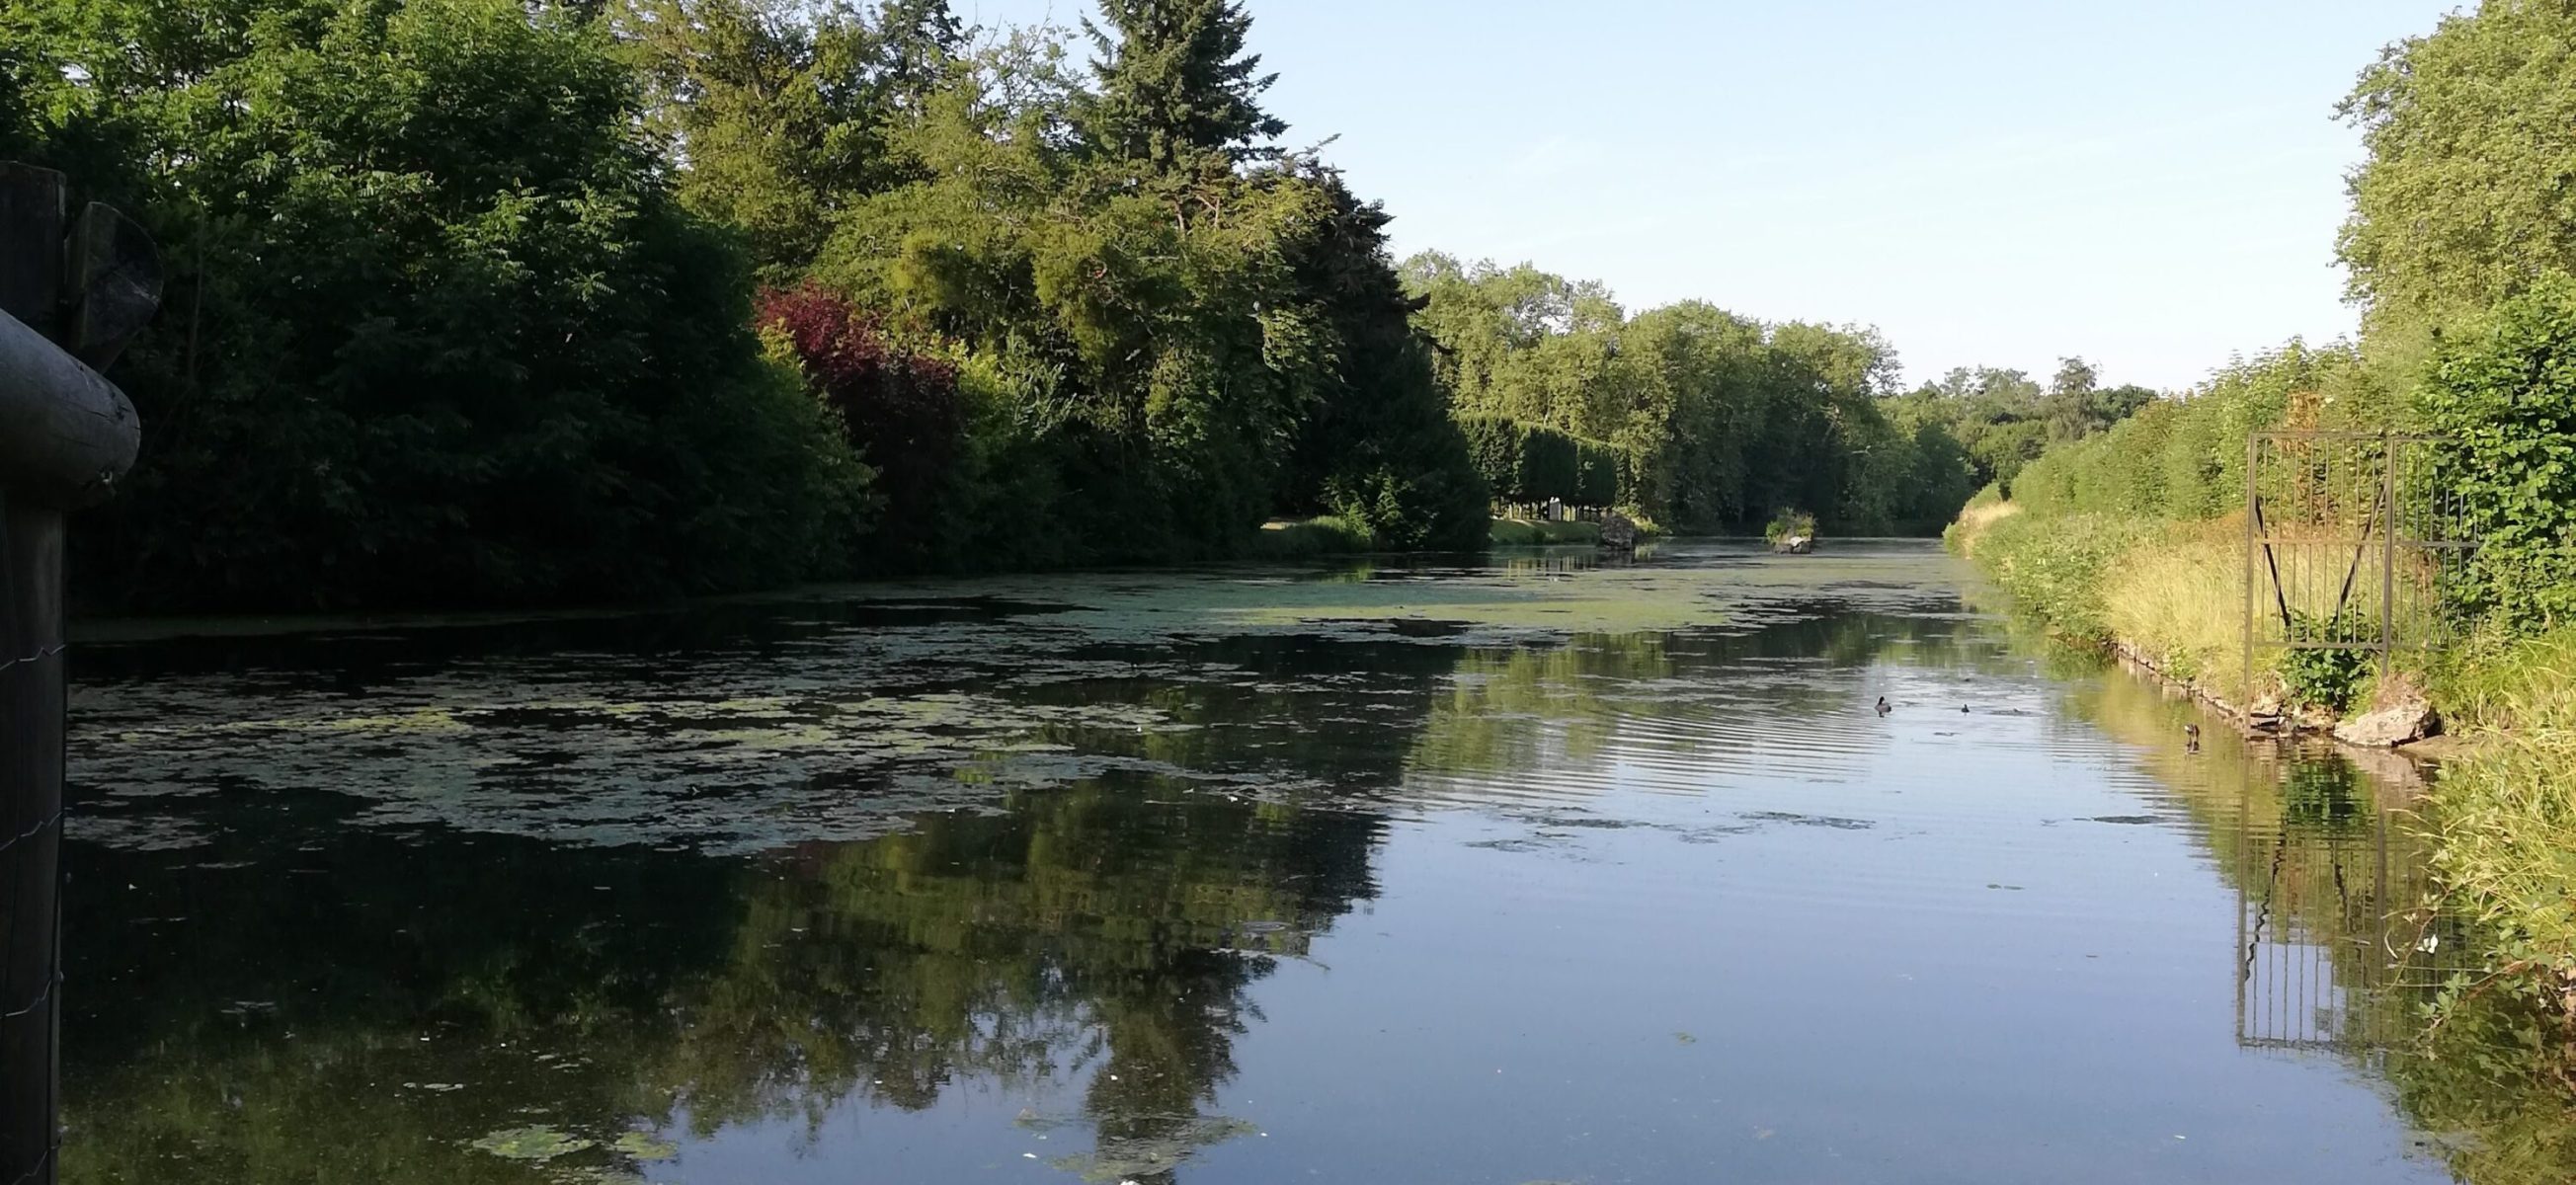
point(538, 1143)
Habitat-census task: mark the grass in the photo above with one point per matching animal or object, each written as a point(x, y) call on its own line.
point(1972, 522)
point(1521, 532)
point(2502, 815)
point(2055, 567)
point(1323, 535)
point(2176, 598)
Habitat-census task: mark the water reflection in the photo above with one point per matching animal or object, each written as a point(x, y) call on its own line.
point(351, 1018)
point(2338, 949)
point(1151, 880)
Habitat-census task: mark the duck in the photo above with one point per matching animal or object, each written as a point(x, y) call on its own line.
point(1883, 709)
point(2191, 732)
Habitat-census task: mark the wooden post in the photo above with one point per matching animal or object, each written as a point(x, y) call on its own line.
point(66, 435)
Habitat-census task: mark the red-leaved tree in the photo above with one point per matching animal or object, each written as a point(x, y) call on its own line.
point(901, 408)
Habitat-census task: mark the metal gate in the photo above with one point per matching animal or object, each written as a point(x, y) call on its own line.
point(2352, 544)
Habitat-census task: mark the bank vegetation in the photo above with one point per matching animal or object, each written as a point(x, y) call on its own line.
point(2465, 269)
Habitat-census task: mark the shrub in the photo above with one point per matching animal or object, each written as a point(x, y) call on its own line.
point(1323, 535)
point(1549, 466)
point(449, 337)
point(1790, 524)
point(2324, 678)
point(1528, 463)
point(899, 408)
point(2056, 566)
point(1494, 445)
point(2505, 397)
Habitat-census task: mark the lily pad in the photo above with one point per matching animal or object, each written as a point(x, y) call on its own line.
point(537, 1143)
point(645, 1146)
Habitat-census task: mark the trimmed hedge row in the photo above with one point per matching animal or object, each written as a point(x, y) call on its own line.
point(1531, 463)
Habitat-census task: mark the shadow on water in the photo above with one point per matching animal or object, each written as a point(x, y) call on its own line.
point(1019, 872)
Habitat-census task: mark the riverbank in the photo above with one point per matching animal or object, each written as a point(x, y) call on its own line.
point(2501, 814)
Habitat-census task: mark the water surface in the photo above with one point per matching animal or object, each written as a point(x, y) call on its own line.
point(1538, 871)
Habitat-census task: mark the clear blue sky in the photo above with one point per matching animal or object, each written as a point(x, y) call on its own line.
point(2151, 186)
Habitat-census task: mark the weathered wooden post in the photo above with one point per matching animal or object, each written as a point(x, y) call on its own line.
point(71, 293)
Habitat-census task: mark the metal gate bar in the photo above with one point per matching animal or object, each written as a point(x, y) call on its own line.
point(2351, 545)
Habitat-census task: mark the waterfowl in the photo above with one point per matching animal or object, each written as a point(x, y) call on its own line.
point(2192, 731)
point(1883, 709)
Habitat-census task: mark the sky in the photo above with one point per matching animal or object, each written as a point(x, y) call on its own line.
point(2154, 187)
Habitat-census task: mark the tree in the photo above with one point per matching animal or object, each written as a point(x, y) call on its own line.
point(13, 104)
point(1378, 445)
point(1176, 85)
point(2077, 405)
point(900, 410)
point(782, 109)
point(437, 330)
point(2463, 200)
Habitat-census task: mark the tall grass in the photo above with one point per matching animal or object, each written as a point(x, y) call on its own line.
point(2177, 598)
point(2505, 813)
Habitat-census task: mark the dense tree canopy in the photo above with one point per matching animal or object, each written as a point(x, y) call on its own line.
point(438, 328)
point(2464, 199)
point(462, 310)
point(1723, 421)
point(783, 109)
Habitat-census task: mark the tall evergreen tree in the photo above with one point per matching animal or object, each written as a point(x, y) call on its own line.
point(1176, 84)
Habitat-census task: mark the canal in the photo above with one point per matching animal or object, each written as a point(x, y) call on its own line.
point(1542, 869)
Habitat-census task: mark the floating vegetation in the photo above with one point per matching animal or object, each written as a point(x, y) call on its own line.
point(846, 713)
point(644, 1146)
point(1138, 1157)
point(538, 1143)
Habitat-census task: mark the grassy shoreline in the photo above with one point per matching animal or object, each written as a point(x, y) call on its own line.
point(1335, 535)
point(2501, 814)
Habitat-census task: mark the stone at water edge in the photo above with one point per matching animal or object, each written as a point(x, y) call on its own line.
point(1618, 533)
point(2398, 724)
point(1795, 544)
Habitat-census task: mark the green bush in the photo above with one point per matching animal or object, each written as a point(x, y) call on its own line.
point(1323, 535)
point(2504, 397)
point(439, 331)
point(2325, 678)
point(2054, 566)
point(1549, 466)
point(1527, 463)
point(2184, 458)
point(1789, 524)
